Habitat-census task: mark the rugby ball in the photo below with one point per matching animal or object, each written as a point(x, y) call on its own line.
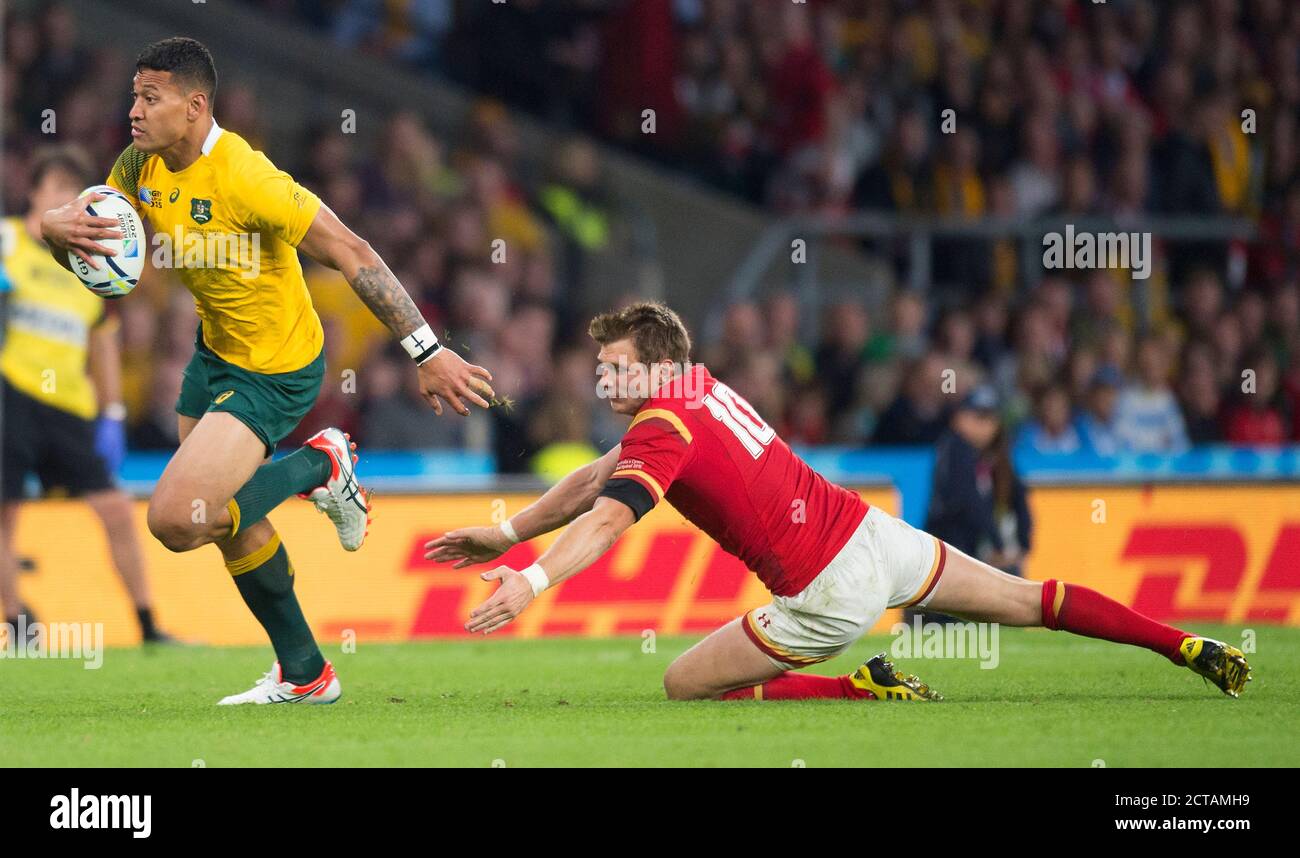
point(118, 274)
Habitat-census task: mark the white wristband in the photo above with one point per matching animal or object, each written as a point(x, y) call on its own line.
point(509, 530)
point(421, 344)
point(537, 577)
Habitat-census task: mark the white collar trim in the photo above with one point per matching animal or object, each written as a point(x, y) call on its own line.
point(211, 138)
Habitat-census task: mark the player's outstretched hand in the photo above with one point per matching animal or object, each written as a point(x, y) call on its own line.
point(69, 227)
point(447, 375)
point(505, 604)
point(468, 545)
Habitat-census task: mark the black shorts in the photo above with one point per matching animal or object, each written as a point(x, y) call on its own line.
point(56, 446)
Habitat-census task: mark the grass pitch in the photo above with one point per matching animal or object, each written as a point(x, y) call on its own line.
point(1054, 700)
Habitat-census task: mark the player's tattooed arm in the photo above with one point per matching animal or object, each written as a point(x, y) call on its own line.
point(331, 243)
point(376, 286)
point(445, 375)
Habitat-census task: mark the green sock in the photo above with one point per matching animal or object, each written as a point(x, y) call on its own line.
point(265, 580)
point(272, 484)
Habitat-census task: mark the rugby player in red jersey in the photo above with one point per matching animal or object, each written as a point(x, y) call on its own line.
point(832, 563)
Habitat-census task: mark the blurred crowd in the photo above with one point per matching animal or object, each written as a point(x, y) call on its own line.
point(824, 106)
point(1070, 372)
point(1124, 107)
point(1061, 108)
point(1058, 106)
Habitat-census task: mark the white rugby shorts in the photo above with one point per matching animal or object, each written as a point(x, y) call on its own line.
point(886, 563)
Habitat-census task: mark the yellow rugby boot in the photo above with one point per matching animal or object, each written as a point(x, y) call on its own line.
point(878, 676)
point(1218, 662)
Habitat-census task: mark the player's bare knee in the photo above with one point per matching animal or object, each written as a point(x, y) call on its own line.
point(176, 534)
point(177, 538)
point(683, 691)
point(673, 687)
point(678, 686)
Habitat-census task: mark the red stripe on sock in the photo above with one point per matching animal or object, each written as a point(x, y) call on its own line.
point(1089, 613)
point(1049, 598)
point(746, 693)
point(802, 686)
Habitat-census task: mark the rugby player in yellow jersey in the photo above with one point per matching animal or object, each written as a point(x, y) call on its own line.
point(258, 359)
point(60, 368)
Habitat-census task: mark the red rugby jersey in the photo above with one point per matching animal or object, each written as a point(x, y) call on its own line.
point(702, 446)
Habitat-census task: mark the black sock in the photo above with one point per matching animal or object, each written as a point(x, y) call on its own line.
point(300, 471)
point(145, 617)
point(265, 580)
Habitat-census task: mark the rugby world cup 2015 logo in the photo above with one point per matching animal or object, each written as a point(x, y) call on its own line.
point(200, 210)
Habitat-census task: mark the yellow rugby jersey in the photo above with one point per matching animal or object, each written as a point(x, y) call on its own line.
point(50, 317)
point(232, 222)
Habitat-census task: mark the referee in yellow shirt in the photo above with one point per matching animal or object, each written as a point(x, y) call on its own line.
point(63, 419)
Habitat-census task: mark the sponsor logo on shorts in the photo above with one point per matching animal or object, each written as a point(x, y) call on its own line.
point(223, 397)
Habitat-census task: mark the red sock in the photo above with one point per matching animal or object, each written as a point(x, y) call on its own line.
point(800, 686)
point(1071, 608)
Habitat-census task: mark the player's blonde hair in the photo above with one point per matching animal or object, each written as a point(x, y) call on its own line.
point(655, 329)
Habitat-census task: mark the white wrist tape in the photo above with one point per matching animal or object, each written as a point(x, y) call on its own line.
point(537, 577)
point(509, 530)
point(421, 344)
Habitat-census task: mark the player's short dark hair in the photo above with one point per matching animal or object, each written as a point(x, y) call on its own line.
point(66, 158)
point(655, 330)
point(187, 59)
